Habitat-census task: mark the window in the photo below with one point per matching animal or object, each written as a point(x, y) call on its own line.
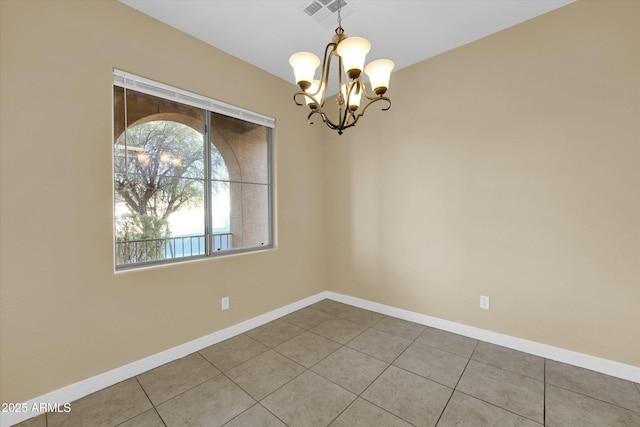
point(192, 176)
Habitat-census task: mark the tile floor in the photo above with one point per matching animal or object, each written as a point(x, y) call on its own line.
point(338, 365)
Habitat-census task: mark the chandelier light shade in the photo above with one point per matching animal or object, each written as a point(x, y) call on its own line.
point(350, 54)
point(304, 67)
point(379, 73)
point(353, 51)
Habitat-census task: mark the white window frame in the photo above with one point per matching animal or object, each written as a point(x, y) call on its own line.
point(140, 84)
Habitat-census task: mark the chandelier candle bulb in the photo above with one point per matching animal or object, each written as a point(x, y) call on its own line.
point(304, 67)
point(379, 73)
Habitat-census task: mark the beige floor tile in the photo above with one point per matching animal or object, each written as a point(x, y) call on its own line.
point(448, 341)
point(380, 345)
point(399, 327)
point(467, 411)
point(432, 363)
point(364, 414)
point(361, 316)
point(594, 384)
point(264, 373)
point(307, 317)
point(330, 307)
point(105, 408)
point(513, 392)
point(167, 381)
point(309, 367)
point(568, 409)
point(210, 404)
point(307, 401)
point(232, 352)
point(256, 416)
point(510, 360)
point(275, 333)
point(411, 397)
point(350, 369)
point(39, 421)
point(307, 349)
point(339, 330)
point(148, 419)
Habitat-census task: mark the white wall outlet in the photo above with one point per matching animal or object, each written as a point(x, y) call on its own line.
point(225, 303)
point(484, 302)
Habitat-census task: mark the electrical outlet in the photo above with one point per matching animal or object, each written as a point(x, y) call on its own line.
point(484, 302)
point(225, 303)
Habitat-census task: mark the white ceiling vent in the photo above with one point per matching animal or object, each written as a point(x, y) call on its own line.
point(325, 12)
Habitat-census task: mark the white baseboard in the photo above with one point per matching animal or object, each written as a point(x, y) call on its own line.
point(605, 366)
point(98, 382)
point(91, 385)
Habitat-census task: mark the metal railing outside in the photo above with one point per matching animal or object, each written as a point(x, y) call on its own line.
point(152, 250)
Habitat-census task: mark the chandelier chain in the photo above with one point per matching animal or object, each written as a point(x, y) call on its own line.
point(339, 14)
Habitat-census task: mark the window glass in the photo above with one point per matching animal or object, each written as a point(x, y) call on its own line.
point(177, 197)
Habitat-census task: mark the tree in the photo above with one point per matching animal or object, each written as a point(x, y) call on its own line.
point(159, 168)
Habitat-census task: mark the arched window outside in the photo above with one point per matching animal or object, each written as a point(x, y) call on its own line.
point(188, 182)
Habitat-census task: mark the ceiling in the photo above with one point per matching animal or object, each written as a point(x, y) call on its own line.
point(265, 33)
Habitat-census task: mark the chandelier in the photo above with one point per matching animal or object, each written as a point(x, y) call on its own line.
point(350, 53)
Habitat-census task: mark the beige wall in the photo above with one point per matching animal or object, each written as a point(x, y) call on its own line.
point(65, 315)
point(510, 168)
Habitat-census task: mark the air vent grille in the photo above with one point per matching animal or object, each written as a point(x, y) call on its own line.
point(313, 8)
point(333, 7)
point(324, 12)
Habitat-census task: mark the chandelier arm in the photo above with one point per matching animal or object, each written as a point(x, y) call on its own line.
point(326, 62)
point(347, 91)
point(347, 126)
point(295, 96)
point(348, 115)
point(324, 73)
point(304, 94)
point(380, 98)
point(368, 95)
point(340, 83)
point(323, 79)
point(325, 118)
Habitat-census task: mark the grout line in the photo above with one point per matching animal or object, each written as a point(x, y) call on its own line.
point(267, 409)
point(159, 416)
point(593, 397)
point(499, 407)
point(495, 367)
point(636, 386)
point(359, 395)
point(152, 405)
point(344, 410)
point(375, 404)
point(455, 387)
point(448, 351)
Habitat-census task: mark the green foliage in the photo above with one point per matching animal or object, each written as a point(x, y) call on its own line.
point(140, 238)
